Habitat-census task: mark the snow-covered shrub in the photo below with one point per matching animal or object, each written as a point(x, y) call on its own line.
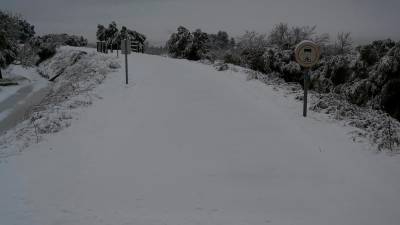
point(232, 57)
point(360, 92)
point(282, 62)
point(386, 69)
point(372, 53)
point(113, 37)
point(292, 72)
point(368, 54)
point(15, 28)
point(197, 47)
point(253, 58)
point(8, 50)
point(270, 60)
point(220, 44)
point(41, 48)
point(390, 98)
point(381, 130)
point(220, 41)
point(45, 52)
point(13, 31)
point(337, 69)
point(319, 82)
point(178, 43)
point(64, 39)
point(192, 46)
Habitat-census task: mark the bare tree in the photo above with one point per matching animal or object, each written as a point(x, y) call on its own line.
point(298, 34)
point(322, 39)
point(280, 36)
point(252, 39)
point(286, 37)
point(344, 42)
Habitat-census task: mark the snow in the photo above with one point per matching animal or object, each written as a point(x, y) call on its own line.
point(185, 144)
point(4, 114)
point(12, 97)
point(24, 77)
point(80, 70)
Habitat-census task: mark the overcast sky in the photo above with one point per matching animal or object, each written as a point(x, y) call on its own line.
point(366, 19)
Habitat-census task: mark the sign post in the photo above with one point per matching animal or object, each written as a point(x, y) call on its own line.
point(126, 61)
point(126, 49)
point(306, 83)
point(307, 55)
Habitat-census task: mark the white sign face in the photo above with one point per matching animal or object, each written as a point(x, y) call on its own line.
point(126, 49)
point(307, 53)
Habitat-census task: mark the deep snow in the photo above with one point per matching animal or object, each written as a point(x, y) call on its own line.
point(185, 144)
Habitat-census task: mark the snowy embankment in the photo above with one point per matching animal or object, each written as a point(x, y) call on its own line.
point(185, 144)
point(78, 71)
point(377, 128)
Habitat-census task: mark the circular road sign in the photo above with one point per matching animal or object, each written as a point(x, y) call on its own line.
point(307, 53)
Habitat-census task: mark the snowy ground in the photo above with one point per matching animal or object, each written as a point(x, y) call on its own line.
point(183, 144)
point(13, 99)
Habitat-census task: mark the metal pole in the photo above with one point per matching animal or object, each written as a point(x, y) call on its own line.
point(126, 60)
point(305, 98)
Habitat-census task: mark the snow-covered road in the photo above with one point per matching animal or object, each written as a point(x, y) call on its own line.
point(15, 101)
point(186, 145)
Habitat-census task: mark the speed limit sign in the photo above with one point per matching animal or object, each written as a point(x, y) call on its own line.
point(307, 53)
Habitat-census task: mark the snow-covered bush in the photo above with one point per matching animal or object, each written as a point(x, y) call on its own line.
point(390, 98)
point(8, 50)
point(220, 44)
point(46, 52)
point(337, 69)
point(373, 52)
point(193, 46)
point(15, 28)
point(253, 58)
point(36, 51)
point(178, 42)
point(197, 48)
point(220, 40)
point(232, 57)
point(13, 31)
point(282, 62)
point(113, 37)
point(292, 71)
point(64, 39)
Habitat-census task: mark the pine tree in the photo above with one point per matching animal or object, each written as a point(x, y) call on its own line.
point(197, 47)
point(178, 42)
point(101, 33)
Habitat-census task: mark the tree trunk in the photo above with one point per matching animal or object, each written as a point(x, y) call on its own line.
point(1, 76)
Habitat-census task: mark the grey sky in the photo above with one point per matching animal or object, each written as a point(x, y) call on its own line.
point(366, 19)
